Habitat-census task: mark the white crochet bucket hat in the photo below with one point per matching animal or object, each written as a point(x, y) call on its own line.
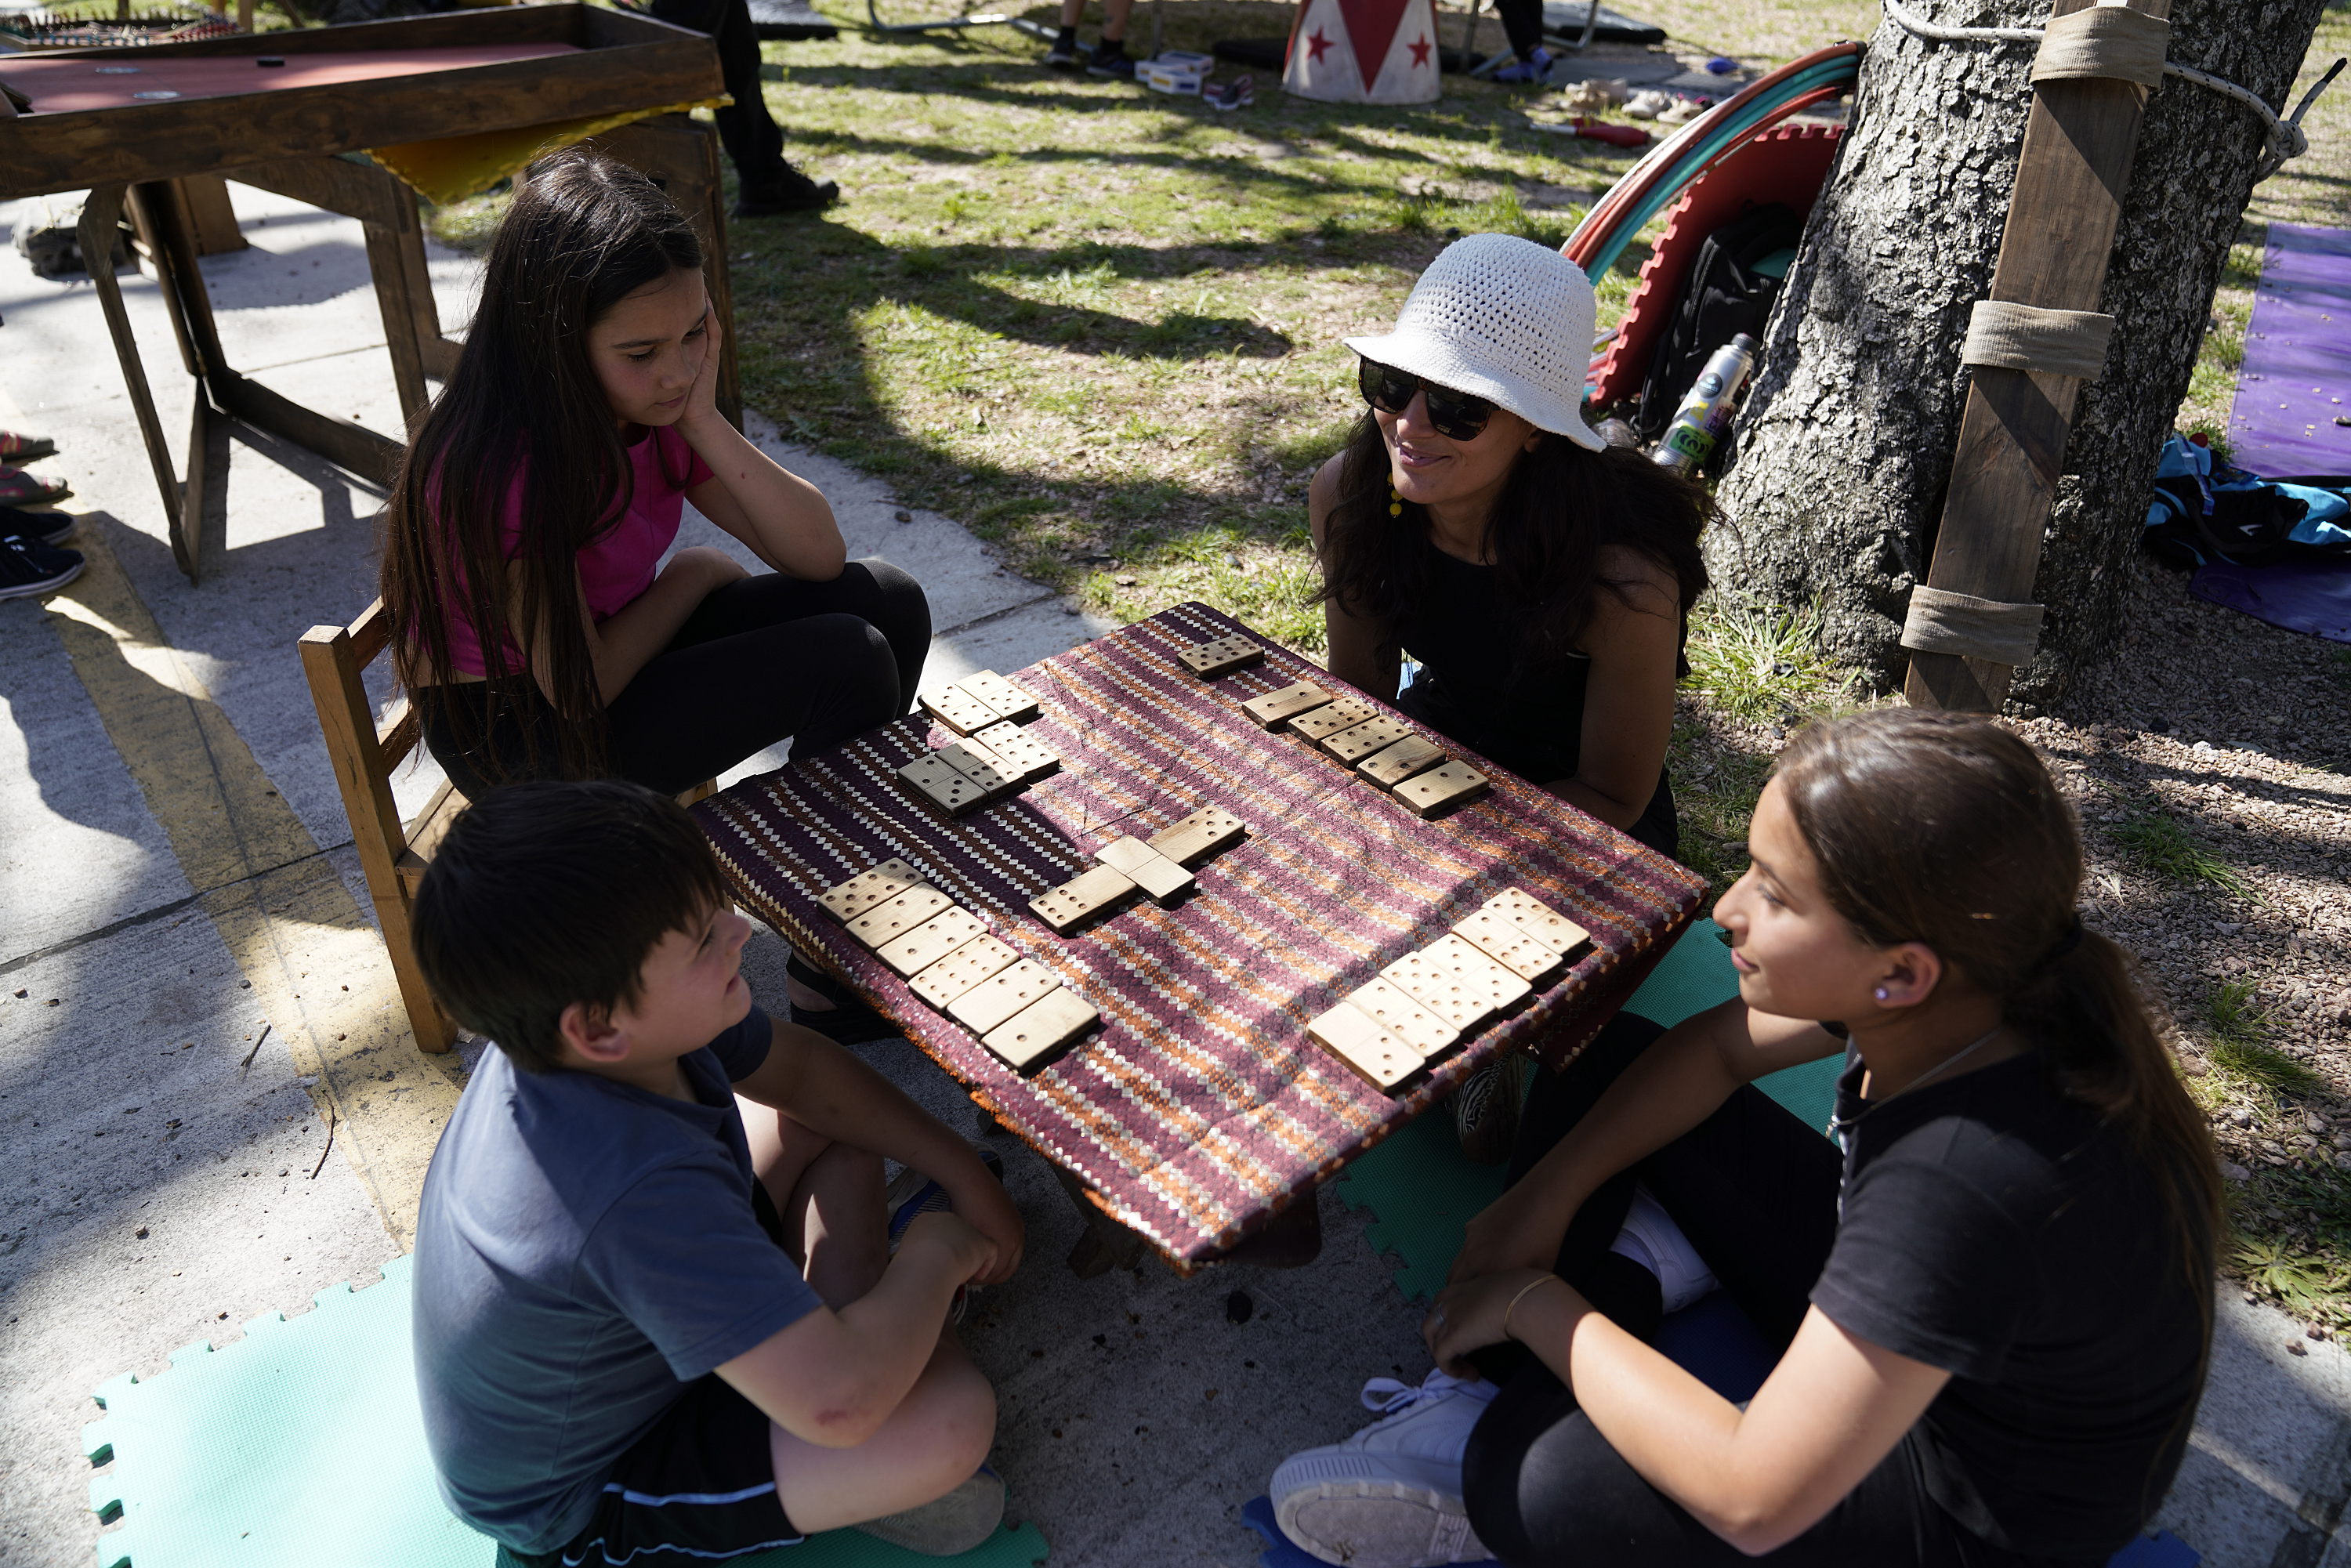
point(1504, 319)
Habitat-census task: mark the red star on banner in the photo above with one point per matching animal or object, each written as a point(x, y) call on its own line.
point(1316, 45)
point(1420, 51)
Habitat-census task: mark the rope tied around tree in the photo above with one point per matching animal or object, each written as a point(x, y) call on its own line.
point(2099, 42)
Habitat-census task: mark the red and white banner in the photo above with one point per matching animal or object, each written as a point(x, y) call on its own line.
point(1364, 51)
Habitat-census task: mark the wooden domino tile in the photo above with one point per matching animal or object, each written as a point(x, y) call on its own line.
point(1007, 700)
point(1439, 989)
point(1041, 1028)
point(1149, 870)
point(1504, 987)
point(1226, 655)
point(976, 762)
point(1081, 898)
point(1268, 709)
point(960, 971)
point(1538, 919)
point(899, 915)
point(1399, 762)
point(1441, 788)
point(1193, 838)
point(1351, 746)
point(1402, 1017)
point(1020, 753)
point(996, 998)
point(1373, 1054)
point(931, 941)
point(960, 711)
point(1508, 944)
point(866, 889)
point(1331, 718)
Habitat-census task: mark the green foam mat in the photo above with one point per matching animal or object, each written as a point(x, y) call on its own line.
point(1420, 1190)
point(301, 1447)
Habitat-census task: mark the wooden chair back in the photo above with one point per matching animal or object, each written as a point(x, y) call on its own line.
point(364, 751)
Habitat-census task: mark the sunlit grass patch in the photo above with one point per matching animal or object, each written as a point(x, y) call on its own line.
point(2159, 846)
point(1762, 664)
point(2241, 1032)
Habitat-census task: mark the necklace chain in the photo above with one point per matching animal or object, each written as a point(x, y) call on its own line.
point(1951, 1061)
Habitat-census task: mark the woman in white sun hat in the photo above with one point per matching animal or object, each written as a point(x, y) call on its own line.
point(1540, 577)
point(1476, 523)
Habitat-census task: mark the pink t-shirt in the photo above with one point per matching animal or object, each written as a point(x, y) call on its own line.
point(619, 566)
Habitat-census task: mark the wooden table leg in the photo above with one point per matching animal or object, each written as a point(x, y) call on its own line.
point(1294, 1240)
point(1106, 1244)
point(100, 215)
point(386, 266)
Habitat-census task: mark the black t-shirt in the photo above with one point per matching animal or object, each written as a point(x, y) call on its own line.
point(1996, 1228)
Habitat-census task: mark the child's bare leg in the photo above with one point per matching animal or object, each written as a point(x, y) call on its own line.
point(1071, 11)
point(830, 1195)
point(1114, 14)
point(836, 1219)
point(931, 1444)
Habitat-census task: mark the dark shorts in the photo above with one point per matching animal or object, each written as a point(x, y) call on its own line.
point(700, 1484)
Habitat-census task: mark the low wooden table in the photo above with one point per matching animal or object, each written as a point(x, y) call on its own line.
point(1200, 1112)
point(132, 123)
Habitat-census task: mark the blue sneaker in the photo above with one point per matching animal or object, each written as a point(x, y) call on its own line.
point(1531, 71)
point(927, 1197)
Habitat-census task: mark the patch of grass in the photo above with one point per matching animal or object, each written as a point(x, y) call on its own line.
point(2159, 846)
point(1762, 664)
point(1716, 782)
point(2306, 1284)
point(2241, 1032)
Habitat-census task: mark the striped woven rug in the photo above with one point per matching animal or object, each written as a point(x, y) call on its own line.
point(1200, 1109)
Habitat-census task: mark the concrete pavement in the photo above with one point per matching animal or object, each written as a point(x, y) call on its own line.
point(209, 1109)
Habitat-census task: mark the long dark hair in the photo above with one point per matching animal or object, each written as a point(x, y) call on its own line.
point(1561, 508)
point(1946, 829)
point(583, 233)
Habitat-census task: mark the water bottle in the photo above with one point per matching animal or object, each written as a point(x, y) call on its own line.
point(1705, 412)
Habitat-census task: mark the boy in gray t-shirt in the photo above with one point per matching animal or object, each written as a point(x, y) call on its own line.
point(658, 1310)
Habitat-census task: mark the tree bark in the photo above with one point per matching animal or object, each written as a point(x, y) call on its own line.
point(1845, 446)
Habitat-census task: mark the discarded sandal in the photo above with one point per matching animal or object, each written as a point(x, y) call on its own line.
point(16, 446)
point(21, 488)
point(1238, 93)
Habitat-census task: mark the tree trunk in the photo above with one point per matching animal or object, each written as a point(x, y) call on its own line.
point(1844, 447)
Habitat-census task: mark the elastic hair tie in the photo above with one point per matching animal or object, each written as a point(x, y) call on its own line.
point(2067, 941)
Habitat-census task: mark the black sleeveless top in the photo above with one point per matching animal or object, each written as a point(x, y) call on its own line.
point(1484, 683)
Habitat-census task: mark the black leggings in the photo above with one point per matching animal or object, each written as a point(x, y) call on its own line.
point(754, 143)
point(1755, 1190)
point(759, 660)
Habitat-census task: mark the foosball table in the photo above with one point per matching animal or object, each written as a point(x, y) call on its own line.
point(357, 120)
point(1198, 924)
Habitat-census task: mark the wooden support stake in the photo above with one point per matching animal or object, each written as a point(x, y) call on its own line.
point(2071, 176)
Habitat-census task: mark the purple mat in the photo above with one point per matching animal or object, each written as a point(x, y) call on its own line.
point(2316, 599)
point(2296, 377)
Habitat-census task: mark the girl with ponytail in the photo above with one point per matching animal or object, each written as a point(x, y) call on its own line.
point(1991, 1295)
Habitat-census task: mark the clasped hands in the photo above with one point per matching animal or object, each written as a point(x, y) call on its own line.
point(1505, 1259)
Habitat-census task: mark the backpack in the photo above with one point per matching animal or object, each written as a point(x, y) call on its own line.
point(1731, 289)
point(2204, 509)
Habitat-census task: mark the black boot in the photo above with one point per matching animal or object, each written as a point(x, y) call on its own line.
point(790, 191)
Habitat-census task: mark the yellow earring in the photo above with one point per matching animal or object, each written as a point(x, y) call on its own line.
point(1395, 502)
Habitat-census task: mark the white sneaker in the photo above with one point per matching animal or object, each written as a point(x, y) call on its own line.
point(1390, 1496)
point(1652, 1239)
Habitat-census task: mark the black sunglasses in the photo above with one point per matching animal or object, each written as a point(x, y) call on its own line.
point(1457, 416)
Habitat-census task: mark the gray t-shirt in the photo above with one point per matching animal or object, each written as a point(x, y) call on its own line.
point(584, 1250)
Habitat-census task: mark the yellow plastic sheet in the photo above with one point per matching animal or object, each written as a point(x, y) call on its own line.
point(454, 167)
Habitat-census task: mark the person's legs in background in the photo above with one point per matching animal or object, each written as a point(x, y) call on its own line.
point(1522, 23)
point(766, 184)
point(1109, 57)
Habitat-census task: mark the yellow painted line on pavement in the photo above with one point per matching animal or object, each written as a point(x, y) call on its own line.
point(315, 959)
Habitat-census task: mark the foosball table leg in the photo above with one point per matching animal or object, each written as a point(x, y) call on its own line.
point(1106, 1244)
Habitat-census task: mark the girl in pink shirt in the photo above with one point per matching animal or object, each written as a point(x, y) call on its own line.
point(537, 626)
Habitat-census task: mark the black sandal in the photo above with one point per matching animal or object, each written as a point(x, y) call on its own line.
point(849, 1021)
